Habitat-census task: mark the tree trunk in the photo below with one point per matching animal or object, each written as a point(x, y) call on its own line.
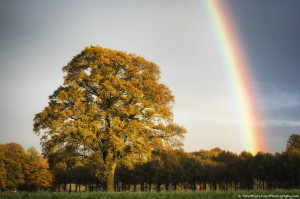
point(158, 187)
point(110, 169)
point(142, 186)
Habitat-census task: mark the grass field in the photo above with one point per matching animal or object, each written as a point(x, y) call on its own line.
point(155, 195)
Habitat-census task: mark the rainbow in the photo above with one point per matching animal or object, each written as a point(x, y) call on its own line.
point(237, 67)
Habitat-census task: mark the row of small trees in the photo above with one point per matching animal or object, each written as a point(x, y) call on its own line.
point(214, 169)
point(23, 170)
point(204, 170)
point(167, 170)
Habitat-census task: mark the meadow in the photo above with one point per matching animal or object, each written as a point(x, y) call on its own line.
point(154, 195)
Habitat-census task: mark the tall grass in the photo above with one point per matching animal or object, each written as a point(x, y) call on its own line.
point(154, 195)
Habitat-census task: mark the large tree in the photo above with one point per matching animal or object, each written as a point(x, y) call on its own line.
point(111, 105)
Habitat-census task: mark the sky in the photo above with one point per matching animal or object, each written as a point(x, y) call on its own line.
point(38, 38)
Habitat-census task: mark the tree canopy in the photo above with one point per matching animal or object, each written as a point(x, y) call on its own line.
point(111, 105)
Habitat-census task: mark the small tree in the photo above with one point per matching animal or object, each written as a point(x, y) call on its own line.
point(14, 159)
point(246, 170)
point(111, 105)
point(37, 172)
point(293, 143)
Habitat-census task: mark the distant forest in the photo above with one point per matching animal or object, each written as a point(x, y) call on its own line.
point(168, 169)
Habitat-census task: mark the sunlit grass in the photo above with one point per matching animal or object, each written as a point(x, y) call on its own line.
point(154, 195)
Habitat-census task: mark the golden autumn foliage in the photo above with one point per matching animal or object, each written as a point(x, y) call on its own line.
point(23, 171)
point(14, 158)
point(112, 105)
point(37, 171)
point(3, 173)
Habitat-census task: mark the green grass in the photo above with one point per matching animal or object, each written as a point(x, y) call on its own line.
point(154, 195)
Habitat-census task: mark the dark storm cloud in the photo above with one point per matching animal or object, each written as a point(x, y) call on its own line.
point(270, 30)
point(290, 113)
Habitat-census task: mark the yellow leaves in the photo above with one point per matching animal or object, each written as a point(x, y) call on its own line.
point(80, 76)
point(62, 95)
point(23, 169)
point(37, 173)
point(96, 76)
point(111, 102)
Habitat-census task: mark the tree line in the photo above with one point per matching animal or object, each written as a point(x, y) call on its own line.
point(214, 170)
point(168, 169)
